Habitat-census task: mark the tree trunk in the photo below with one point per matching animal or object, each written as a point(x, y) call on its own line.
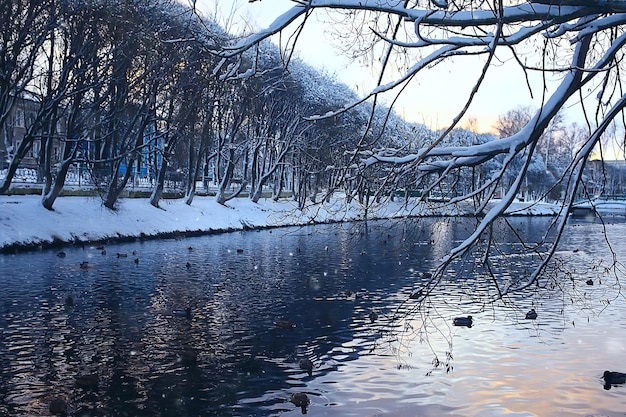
point(225, 181)
point(195, 167)
point(281, 184)
point(57, 186)
point(25, 146)
point(115, 189)
point(190, 194)
point(69, 152)
point(157, 192)
point(221, 197)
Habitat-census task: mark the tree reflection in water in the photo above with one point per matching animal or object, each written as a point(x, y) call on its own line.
point(192, 332)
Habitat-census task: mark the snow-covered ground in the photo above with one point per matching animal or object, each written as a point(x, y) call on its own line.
point(25, 223)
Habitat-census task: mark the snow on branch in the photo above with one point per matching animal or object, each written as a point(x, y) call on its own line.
point(279, 24)
point(476, 154)
point(535, 18)
point(523, 13)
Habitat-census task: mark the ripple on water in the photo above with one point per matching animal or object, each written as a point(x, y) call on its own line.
point(229, 359)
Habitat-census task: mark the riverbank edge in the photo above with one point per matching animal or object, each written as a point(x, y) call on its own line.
point(26, 226)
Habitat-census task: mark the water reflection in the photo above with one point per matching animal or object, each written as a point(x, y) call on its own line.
point(188, 327)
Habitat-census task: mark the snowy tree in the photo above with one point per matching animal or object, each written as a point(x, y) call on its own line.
point(581, 41)
point(541, 179)
point(72, 58)
point(185, 101)
point(513, 121)
point(25, 26)
point(278, 128)
point(131, 91)
point(328, 139)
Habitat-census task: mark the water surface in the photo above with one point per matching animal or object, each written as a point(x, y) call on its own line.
point(127, 323)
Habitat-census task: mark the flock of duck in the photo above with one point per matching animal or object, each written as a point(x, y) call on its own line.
point(468, 321)
point(299, 399)
point(611, 378)
point(90, 382)
point(85, 264)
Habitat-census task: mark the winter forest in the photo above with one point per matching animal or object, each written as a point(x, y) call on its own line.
point(126, 90)
point(136, 90)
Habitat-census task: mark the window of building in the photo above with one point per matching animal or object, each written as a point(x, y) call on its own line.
point(34, 151)
point(19, 118)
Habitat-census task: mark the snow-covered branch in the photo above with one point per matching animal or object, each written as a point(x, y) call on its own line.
point(547, 14)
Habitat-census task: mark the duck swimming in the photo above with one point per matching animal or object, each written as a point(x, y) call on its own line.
point(532, 314)
point(463, 321)
point(285, 324)
point(186, 313)
point(300, 399)
point(613, 378)
point(88, 381)
point(373, 316)
point(58, 406)
point(306, 365)
point(188, 357)
point(416, 295)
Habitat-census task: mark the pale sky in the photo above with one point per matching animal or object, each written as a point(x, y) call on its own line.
point(435, 97)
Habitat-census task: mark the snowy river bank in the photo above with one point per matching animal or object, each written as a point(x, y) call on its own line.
point(25, 224)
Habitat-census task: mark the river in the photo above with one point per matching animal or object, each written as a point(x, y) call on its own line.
point(188, 327)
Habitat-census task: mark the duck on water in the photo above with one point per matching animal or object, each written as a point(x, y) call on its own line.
point(300, 399)
point(463, 321)
point(613, 378)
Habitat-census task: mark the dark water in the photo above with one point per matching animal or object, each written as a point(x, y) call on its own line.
point(127, 324)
